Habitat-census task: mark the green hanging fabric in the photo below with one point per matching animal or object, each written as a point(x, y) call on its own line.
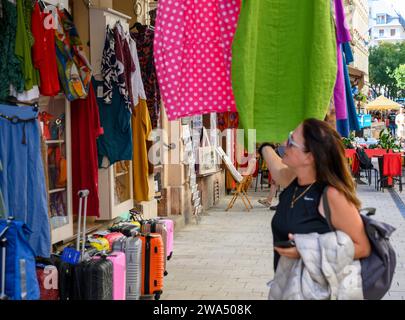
point(284, 65)
point(23, 44)
point(10, 66)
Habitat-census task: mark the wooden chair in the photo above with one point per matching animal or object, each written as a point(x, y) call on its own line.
point(243, 182)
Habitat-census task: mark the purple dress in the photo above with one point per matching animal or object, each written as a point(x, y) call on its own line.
point(342, 36)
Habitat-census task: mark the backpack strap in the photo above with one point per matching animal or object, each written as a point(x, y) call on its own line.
point(326, 208)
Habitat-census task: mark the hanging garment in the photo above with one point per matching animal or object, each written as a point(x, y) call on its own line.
point(125, 63)
point(73, 67)
point(342, 36)
point(10, 66)
point(116, 142)
point(353, 119)
point(22, 180)
point(25, 96)
point(86, 129)
point(144, 43)
point(342, 125)
point(193, 55)
point(284, 65)
point(109, 66)
point(229, 121)
point(24, 44)
point(44, 53)
point(138, 90)
point(141, 129)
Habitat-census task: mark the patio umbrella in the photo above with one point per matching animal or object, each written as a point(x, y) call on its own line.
point(383, 103)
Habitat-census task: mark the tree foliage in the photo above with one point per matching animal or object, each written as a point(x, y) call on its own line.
point(399, 75)
point(384, 60)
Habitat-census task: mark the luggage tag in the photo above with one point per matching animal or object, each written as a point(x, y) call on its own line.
point(71, 256)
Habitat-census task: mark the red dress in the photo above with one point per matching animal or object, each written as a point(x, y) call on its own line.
point(44, 53)
point(85, 131)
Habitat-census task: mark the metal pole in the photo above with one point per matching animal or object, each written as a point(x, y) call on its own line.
point(79, 222)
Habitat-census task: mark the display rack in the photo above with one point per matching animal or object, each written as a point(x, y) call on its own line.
point(57, 145)
point(116, 182)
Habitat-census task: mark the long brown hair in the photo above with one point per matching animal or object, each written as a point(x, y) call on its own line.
point(327, 148)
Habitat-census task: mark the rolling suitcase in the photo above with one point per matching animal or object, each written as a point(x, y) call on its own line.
point(96, 277)
point(132, 247)
point(128, 229)
point(74, 274)
point(65, 278)
point(119, 274)
point(170, 236)
point(153, 226)
point(153, 257)
point(112, 237)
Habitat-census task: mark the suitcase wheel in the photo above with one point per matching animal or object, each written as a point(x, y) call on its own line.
point(165, 273)
point(170, 256)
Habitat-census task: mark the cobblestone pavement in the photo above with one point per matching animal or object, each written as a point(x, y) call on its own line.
point(228, 256)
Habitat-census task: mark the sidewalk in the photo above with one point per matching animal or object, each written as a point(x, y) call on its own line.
point(228, 256)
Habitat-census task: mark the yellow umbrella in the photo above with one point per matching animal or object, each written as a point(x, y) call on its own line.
point(383, 103)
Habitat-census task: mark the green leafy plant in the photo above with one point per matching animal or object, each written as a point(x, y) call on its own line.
point(349, 142)
point(373, 146)
point(361, 97)
point(388, 142)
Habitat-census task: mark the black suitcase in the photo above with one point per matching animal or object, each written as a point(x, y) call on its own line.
point(97, 279)
point(126, 228)
point(65, 278)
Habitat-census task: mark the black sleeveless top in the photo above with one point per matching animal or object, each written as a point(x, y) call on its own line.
point(303, 218)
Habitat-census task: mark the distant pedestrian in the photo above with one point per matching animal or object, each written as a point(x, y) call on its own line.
point(392, 125)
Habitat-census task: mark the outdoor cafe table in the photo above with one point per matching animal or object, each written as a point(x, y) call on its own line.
point(371, 153)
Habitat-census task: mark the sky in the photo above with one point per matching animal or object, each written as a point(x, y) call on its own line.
point(399, 5)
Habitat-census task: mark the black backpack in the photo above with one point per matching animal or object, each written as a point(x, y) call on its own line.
point(377, 270)
point(365, 161)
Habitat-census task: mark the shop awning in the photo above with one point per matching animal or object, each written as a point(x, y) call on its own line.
point(383, 103)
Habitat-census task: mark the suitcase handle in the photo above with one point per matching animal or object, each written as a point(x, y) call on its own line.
point(83, 196)
point(83, 193)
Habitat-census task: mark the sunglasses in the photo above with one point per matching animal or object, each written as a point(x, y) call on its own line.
point(292, 143)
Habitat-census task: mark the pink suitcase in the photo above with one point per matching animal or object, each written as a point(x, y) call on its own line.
point(112, 237)
point(170, 236)
point(119, 274)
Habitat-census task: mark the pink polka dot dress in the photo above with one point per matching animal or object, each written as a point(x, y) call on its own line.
point(193, 55)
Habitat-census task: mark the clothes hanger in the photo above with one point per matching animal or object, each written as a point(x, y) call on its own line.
point(42, 4)
point(139, 27)
point(16, 103)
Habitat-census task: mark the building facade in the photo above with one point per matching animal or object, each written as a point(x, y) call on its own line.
point(358, 20)
point(386, 23)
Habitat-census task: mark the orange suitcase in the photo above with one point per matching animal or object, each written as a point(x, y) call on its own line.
point(153, 255)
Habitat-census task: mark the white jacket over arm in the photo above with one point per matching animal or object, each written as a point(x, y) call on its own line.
point(326, 270)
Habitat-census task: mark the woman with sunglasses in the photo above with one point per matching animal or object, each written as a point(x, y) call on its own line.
point(313, 159)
